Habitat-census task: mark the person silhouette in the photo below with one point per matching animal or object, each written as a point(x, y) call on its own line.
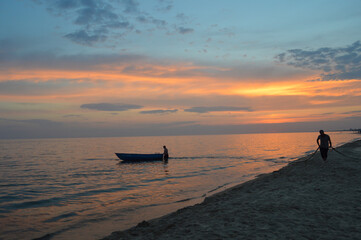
point(165, 154)
point(324, 143)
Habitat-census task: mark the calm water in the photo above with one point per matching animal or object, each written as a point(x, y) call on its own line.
point(76, 188)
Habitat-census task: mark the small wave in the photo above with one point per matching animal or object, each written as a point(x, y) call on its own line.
point(61, 217)
point(33, 204)
point(94, 173)
point(282, 161)
point(270, 159)
point(200, 157)
point(155, 180)
point(97, 159)
point(272, 150)
point(186, 199)
point(12, 197)
point(309, 152)
point(209, 157)
point(15, 185)
point(160, 162)
point(219, 187)
point(61, 201)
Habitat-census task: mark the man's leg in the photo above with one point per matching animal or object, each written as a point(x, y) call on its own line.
point(324, 153)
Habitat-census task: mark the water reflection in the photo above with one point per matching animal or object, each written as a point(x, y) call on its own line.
point(76, 185)
point(165, 168)
point(163, 164)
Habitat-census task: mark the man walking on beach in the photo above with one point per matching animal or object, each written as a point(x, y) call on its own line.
point(324, 145)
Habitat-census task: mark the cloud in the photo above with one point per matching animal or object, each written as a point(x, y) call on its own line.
point(72, 116)
point(110, 107)
point(159, 111)
point(183, 30)
point(217, 109)
point(341, 63)
point(11, 58)
point(31, 122)
point(165, 5)
point(82, 37)
point(14, 57)
point(131, 6)
point(31, 87)
point(9, 47)
point(94, 18)
point(160, 24)
point(352, 112)
point(100, 20)
point(66, 4)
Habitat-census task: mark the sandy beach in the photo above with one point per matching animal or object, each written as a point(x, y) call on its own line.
point(307, 199)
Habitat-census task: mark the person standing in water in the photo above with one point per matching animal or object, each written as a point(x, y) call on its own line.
point(165, 154)
point(324, 143)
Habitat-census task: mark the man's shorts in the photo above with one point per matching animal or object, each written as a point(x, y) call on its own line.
point(324, 152)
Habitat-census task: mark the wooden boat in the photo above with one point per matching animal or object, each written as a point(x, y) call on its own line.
point(134, 157)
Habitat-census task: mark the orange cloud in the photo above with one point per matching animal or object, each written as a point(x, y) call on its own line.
point(304, 88)
point(154, 83)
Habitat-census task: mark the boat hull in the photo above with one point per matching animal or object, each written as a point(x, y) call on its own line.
point(135, 157)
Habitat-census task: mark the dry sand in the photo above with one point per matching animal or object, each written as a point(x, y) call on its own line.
point(304, 200)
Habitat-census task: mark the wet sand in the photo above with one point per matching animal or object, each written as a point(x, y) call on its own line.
point(307, 199)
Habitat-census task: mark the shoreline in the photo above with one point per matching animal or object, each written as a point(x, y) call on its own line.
point(303, 200)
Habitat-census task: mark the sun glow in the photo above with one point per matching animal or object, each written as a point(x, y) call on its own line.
point(302, 88)
point(285, 101)
point(274, 89)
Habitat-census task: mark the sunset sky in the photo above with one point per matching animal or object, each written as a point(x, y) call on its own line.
point(88, 68)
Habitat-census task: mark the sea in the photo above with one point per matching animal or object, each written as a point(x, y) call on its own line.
point(76, 188)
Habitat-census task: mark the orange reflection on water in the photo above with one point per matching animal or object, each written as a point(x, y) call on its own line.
point(70, 182)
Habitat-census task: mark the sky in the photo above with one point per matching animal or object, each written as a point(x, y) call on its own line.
point(107, 68)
